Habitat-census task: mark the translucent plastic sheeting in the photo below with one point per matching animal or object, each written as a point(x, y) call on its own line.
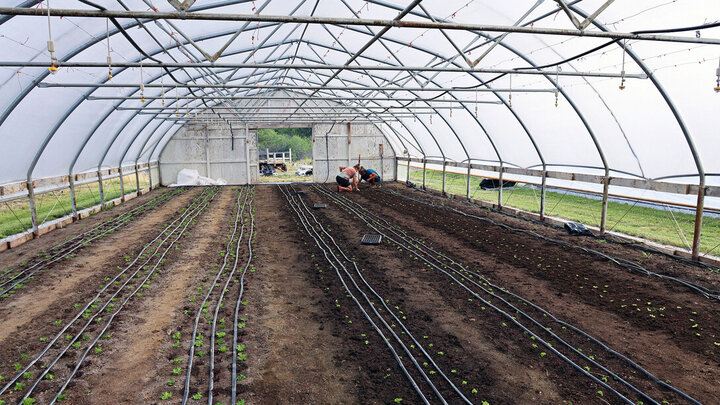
point(636, 129)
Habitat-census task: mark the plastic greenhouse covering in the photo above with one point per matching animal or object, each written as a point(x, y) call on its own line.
point(573, 118)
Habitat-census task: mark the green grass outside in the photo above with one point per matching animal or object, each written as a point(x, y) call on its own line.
point(645, 222)
point(15, 215)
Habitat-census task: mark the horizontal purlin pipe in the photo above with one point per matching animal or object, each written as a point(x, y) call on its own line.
point(159, 15)
point(295, 98)
point(286, 87)
point(320, 67)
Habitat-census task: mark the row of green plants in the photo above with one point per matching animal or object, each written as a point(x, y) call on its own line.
point(198, 308)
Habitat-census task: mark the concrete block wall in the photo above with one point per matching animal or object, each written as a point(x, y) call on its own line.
point(343, 143)
point(208, 149)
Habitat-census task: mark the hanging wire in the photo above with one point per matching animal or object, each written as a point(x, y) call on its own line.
point(510, 96)
point(107, 38)
point(622, 72)
point(51, 45)
point(142, 84)
point(476, 104)
point(162, 89)
point(557, 84)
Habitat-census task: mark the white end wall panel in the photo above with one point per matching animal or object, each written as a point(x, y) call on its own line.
point(365, 141)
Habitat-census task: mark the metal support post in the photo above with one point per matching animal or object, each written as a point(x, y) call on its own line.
point(500, 189)
point(606, 190)
point(468, 180)
point(424, 171)
point(348, 146)
point(247, 154)
point(443, 177)
point(207, 153)
point(137, 180)
point(290, 155)
point(698, 221)
point(102, 195)
point(150, 174)
point(543, 189)
point(122, 183)
point(33, 209)
point(73, 201)
point(407, 173)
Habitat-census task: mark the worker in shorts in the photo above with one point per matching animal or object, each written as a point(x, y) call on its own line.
point(347, 179)
point(369, 175)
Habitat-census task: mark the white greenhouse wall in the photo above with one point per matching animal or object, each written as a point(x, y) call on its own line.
point(364, 140)
point(208, 149)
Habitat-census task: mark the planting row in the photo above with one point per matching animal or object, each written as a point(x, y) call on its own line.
point(45, 372)
point(612, 372)
point(14, 278)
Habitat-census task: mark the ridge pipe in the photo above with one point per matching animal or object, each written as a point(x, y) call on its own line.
point(322, 67)
point(157, 15)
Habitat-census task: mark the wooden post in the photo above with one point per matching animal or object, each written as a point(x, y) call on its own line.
point(73, 202)
point(33, 209)
point(606, 190)
point(698, 221)
point(543, 187)
point(122, 184)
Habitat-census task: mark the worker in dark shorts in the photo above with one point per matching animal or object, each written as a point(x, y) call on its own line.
point(347, 179)
point(370, 175)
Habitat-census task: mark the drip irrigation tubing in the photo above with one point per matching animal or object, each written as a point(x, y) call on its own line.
point(388, 309)
point(86, 238)
point(413, 245)
point(143, 284)
point(251, 236)
point(624, 263)
point(251, 197)
point(189, 210)
point(221, 269)
point(328, 252)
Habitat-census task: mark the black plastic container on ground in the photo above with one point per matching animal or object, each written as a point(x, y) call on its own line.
point(371, 239)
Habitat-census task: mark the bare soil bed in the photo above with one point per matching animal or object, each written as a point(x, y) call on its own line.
point(257, 296)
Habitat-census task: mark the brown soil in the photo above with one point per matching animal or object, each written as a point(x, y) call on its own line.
point(60, 284)
point(138, 354)
point(307, 342)
point(602, 294)
point(293, 352)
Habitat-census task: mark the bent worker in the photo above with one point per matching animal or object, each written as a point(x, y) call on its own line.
point(347, 179)
point(370, 175)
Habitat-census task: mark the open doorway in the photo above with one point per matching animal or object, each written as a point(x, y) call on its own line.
point(285, 154)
